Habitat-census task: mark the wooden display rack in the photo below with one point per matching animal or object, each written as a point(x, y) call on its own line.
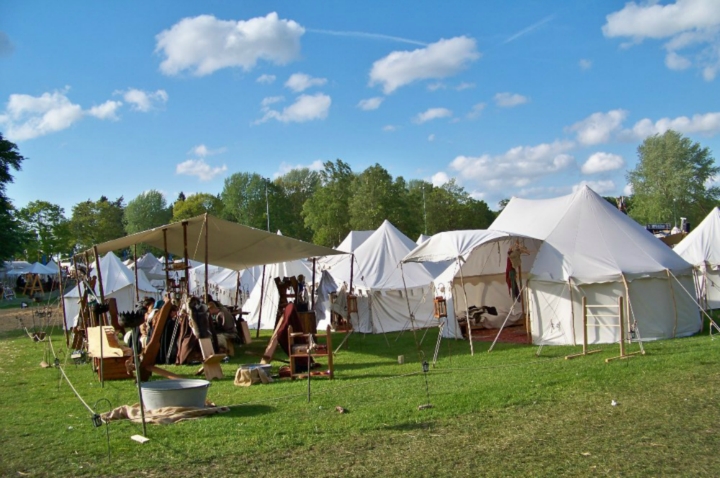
point(621, 324)
point(307, 355)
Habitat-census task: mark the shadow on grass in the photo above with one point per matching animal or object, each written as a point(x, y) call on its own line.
point(247, 411)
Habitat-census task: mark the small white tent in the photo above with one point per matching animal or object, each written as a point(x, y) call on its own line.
point(223, 283)
point(701, 248)
point(118, 283)
point(476, 274)
point(380, 284)
point(267, 293)
point(593, 250)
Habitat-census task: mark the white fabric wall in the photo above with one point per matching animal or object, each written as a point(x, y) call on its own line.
point(708, 286)
point(124, 297)
point(390, 309)
point(653, 303)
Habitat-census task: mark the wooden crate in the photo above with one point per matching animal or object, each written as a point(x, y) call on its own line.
point(113, 368)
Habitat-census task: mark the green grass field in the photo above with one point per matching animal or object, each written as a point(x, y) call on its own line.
point(507, 413)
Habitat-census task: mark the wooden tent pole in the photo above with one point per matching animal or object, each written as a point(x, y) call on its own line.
point(237, 288)
point(99, 279)
point(312, 295)
point(62, 304)
point(185, 255)
point(137, 292)
point(262, 298)
point(207, 255)
point(467, 309)
point(167, 269)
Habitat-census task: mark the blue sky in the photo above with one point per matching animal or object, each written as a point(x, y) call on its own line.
point(524, 98)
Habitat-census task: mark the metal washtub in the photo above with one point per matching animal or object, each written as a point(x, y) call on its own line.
point(174, 393)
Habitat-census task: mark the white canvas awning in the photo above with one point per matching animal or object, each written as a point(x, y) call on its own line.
point(229, 244)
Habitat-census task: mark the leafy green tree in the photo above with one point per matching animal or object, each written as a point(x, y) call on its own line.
point(146, 211)
point(195, 205)
point(11, 233)
point(48, 230)
point(671, 180)
point(327, 211)
point(296, 187)
point(95, 222)
point(374, 199)
point(244, 199)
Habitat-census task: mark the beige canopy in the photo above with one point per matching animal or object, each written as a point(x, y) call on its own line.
point(230, 244)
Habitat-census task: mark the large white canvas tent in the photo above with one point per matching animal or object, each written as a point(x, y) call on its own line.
point(118, 283)
point(223, 283)
point(592, 250)
point(476, 274)
point(701, 248)
point(266, 291)
point(380, 284)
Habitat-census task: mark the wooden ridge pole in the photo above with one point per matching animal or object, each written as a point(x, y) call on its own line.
point(262, 298)
point(100, 284)
point(207, 255)
point(137, 292)
point(185, 255)
point(312, 295)
point(167, 270)
point(62, 304)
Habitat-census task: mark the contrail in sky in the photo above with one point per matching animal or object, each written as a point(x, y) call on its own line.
point(375, 36)
point(529, 29)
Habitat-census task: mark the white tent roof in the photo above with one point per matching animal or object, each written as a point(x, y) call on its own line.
point(116, 276)
point(35, 268)
point(588, 239)
point(449, 245)
point(377, 262)
point(52, 265)
point(353, 240)
point(422, 238)
point(148, 262)
point(702, 245)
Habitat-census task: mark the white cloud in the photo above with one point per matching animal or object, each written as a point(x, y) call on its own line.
point(585, 64)
point(205, 44)
point(300, 82)
point(305, 108)
point(508, 100)
point(285, 168)
point(438, 85)
point(266, 79)
point(431, 114)
point(389, 128)
point(370, 103)
point(438, 179)
point(201, 150)
point(107, 110)
point(270, 100)
point(598, 127)
point(438, 60)
point(28, 117)
point(692, 26)
point(476, 111)
point(600, 187)
point(517, 167)
point(431, 137)
point(199, 168)
point(676, 62)
point(708, 124)
point(628, 190)
point(464, 86)
point(601, 162)
point(144, 100)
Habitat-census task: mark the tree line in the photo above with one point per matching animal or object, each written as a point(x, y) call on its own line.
point(674, 176)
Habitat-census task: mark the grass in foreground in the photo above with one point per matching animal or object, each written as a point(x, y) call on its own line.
point(498, 414)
